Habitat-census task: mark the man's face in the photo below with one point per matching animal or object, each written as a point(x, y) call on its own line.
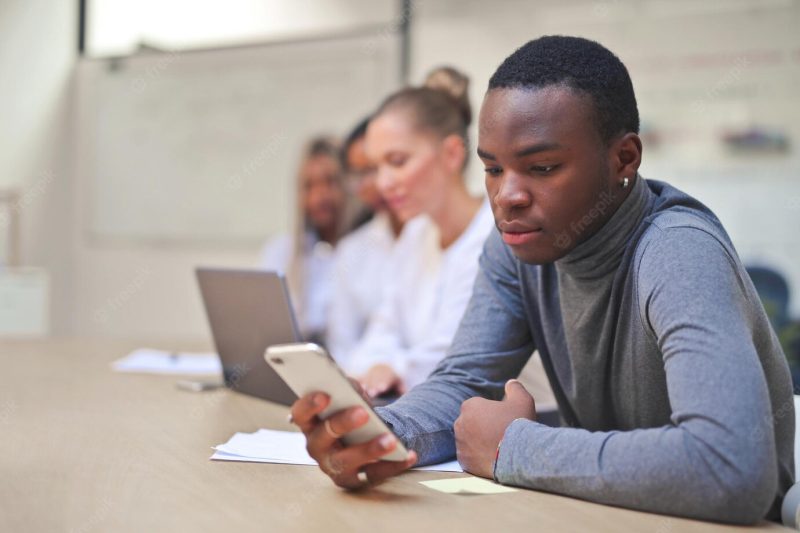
point(547, 172)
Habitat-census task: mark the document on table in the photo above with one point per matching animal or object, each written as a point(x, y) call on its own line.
point(467, 485)
point(150, 361)
point(285, 447)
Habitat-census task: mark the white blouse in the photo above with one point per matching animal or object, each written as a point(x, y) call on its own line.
point(426, 293)
point(360, 265)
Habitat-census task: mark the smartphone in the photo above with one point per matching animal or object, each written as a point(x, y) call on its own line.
point(198, 386)
point(307, 368)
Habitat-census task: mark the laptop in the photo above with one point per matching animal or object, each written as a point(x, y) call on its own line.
point(248, 311)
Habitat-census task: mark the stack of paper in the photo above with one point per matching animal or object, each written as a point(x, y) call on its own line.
point(265, 446)
point(286, 447)
point(159, 362)
point(467, 486)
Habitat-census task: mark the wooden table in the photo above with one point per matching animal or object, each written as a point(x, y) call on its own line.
point(84, 449)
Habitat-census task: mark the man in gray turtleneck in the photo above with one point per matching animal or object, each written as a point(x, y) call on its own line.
point(674, 391)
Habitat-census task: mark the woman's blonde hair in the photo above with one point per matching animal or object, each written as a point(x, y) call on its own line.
point(441, 106)
point(453, 82)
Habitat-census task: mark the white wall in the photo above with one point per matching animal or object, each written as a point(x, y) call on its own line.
point(38, 46)
point(148, 292)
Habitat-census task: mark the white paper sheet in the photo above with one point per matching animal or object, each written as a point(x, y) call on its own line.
point(160, 362)
point(269, 446)
point(449, 466)
point(467, 485)
point(285, 447)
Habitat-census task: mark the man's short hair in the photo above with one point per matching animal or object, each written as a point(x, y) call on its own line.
point(356, 134)
point(582, 65)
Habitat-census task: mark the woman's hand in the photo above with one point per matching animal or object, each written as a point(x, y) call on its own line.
point(381, 379)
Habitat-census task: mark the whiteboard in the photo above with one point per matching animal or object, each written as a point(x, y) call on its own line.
point(204, 145)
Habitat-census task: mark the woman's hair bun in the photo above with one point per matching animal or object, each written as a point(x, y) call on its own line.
point(455, 84)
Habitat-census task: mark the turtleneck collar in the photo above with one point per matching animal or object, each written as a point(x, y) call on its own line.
point(602, 252)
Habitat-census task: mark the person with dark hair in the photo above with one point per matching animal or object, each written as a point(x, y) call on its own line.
point(359, 177)
point(363, 255)
point(306, 254)
point(674, 391)
point(353, 138)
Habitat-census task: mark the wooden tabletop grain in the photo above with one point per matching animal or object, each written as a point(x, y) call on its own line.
point(84, 449)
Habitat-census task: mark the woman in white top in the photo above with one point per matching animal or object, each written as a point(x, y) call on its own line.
point(306, 256)
point(418, 142)
point(362, 256)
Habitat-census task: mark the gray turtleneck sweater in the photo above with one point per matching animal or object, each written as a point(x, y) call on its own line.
point(676, 395)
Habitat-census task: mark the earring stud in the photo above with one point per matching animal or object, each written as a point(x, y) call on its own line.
point(625, 182)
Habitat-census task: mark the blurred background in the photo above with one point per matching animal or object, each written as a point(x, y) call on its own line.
point(143, 138)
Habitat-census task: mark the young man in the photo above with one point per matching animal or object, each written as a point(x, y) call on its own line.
point(676, 395)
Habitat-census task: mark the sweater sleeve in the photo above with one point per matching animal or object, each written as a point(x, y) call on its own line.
point(491, 345)
point(716, 459)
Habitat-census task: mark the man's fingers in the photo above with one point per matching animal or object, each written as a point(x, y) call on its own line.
point(514, 388)
point(516, 392)
point(343, 465)
point(518, 395)
point(350, 459)
point(324, 435)
point(305, 410)
point(378, 472)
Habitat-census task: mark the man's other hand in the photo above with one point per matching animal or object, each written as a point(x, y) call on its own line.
point(482, 423)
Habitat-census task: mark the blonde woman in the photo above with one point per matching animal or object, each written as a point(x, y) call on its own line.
point(364, 256)
point(418, 142)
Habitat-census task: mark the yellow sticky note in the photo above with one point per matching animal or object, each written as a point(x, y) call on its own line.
point(467, 485)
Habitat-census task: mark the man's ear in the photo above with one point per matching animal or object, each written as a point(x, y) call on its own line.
point(454, 153)
point(626, 156)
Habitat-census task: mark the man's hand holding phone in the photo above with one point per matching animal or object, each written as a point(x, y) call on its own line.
point(354, 466)
point(343, 434)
